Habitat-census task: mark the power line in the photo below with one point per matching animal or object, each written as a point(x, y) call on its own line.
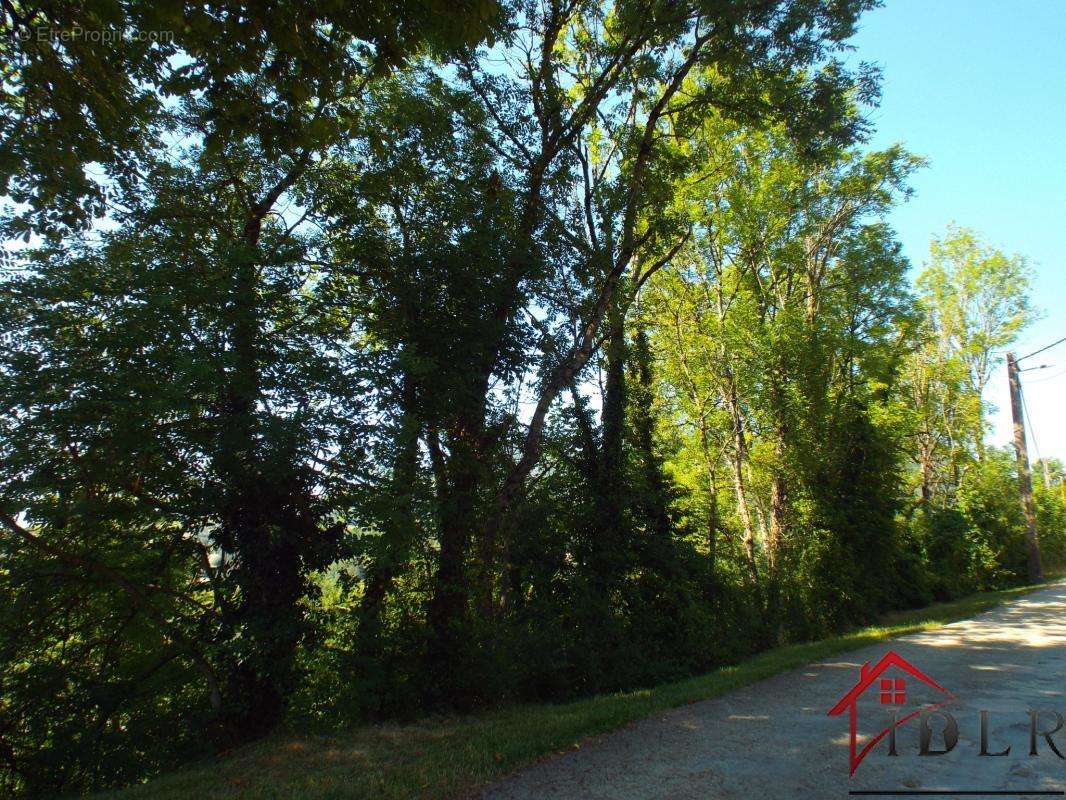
point(1036, 447)
point(1042, 349)
point(1046, 378)
point(1029, 420)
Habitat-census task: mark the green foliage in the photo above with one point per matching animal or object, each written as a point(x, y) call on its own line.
point(369, 360)
point(1051, 523)
point(88, 87)
point(979, 544)
point(976, 301)
point(445, 756)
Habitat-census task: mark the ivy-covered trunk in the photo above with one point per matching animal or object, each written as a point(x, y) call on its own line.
point(400, 527)
point(656, 502)
point(459, 487)
point(266, 523)
point(609, 533)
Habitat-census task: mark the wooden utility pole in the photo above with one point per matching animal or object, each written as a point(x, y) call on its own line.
point(1025, 480)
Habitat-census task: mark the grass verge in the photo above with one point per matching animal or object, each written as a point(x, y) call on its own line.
point(448, 757)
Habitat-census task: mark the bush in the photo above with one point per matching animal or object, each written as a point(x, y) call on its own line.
point(979, 544)
point(1051, 524)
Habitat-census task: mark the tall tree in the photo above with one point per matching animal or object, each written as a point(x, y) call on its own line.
point(779, 320)
point(199, 147)
point(579, 74)
point(977, 299)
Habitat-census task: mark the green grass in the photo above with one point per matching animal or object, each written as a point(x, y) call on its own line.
point(449, 757)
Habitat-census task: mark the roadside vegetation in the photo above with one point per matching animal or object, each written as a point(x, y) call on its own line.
point(447, 757)
point(379, 361)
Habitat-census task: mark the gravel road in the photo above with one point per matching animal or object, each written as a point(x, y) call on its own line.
point(774, 739)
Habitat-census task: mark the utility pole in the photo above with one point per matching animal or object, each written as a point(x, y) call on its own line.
point(1025, 480)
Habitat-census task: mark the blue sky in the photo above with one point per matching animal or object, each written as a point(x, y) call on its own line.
point(978, 87)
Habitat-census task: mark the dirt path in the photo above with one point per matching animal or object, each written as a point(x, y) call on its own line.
point(774, 738)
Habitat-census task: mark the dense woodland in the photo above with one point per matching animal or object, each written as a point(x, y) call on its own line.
point(364, 361)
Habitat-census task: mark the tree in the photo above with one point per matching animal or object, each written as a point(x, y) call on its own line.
point(584, 106)
point(178, 367)
point(88, 87)
point(785, 324)
point(381, 360)
point(977, 301)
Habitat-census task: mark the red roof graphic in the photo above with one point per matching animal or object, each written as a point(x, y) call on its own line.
point(866, 677)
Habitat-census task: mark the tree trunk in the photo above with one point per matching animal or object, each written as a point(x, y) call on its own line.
point(777, 529)
point(778, 510)
point(926, 461)
point(739, 457)
point(266, 524)
point(609, 534)
point(644, 427)
point(449, 619)
point(712, 491)
point(776, 532)
point(400, 528)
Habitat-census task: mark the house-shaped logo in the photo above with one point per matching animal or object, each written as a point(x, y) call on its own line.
point(890, 692)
